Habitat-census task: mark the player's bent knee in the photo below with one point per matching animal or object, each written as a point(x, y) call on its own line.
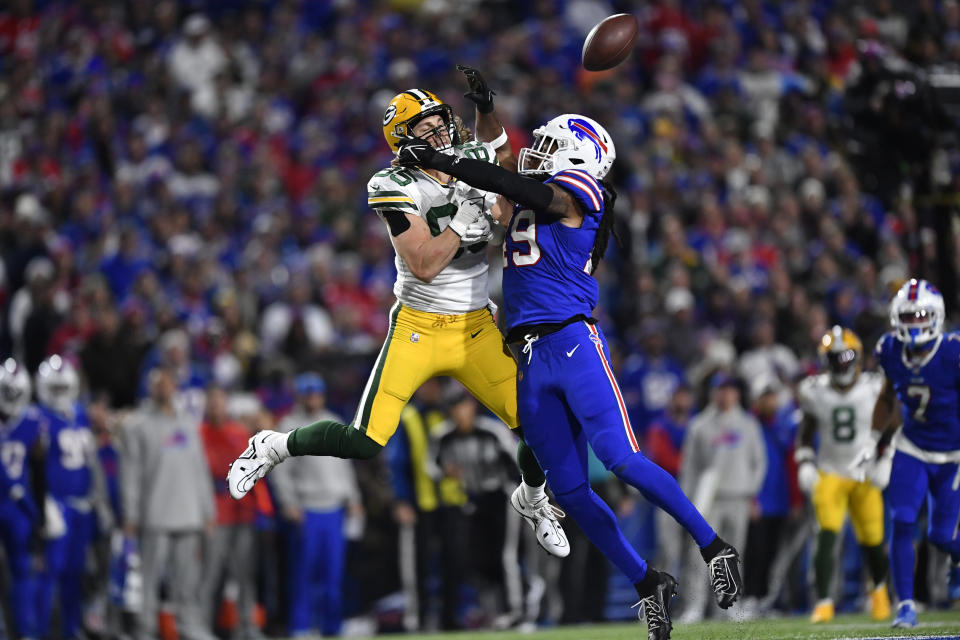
point(362, 446)
point(630, 465)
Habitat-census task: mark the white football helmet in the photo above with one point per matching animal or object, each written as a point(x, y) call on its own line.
point(58, 385)
point(14, 387)
point(917, 312)
point(569, 141)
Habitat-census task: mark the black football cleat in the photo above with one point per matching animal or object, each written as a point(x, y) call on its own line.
point(725, 578)
point(656, 608)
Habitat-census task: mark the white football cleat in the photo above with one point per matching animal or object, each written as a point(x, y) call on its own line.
point(543, 519)
point(265, 451)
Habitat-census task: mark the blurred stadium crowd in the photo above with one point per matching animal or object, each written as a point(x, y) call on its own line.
point(183, 218)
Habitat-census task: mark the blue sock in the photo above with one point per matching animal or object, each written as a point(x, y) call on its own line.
point(71, 598)
point(22, 603)
point(594, 516)
point(662, 490)
point(949, 546)
point(901, 559)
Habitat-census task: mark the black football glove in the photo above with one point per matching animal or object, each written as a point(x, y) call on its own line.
point(480, 94)
point(415, 152)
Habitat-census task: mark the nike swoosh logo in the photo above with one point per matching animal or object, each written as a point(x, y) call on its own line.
point(570, 353)
point(474, 335)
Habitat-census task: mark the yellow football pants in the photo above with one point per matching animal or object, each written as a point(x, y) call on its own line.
point(833, 494)
point(420, 345)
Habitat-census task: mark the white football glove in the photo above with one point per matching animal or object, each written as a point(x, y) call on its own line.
point(807, 473)
point(469, 212)
point(807, 477)
point(878, 473)
point(477, 231)
point(864, 459)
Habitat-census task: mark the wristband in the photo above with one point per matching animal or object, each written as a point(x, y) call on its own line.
point(500, 140)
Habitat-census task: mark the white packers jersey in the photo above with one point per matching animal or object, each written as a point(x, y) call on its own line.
point(842, 417)
point(461, 286)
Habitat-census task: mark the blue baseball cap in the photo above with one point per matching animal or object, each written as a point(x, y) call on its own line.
point(722, 379)
point(307, 383)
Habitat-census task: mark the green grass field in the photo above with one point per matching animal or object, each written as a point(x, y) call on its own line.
point(939, 624)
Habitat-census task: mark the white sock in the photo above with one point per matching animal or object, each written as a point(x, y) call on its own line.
point(533, 495)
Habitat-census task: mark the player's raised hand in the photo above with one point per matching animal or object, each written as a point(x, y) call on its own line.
point(414, 152)
point(480, 92)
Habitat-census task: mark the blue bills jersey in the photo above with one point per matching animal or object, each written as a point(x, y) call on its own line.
point(71, 442)
point(547, 265)
point(17, 438)
point(928, 389)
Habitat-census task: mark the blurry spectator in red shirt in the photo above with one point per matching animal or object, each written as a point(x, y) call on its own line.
point(234, 535)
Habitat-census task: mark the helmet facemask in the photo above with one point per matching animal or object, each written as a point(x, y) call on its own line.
point(540, 158)
point(843, 365)
point(444, 136)
point(916, 325)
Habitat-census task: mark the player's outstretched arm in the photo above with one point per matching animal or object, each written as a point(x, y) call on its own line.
point(529, 192)
point(488, 125)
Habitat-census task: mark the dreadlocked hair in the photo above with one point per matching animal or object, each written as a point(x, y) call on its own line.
point(606, 227)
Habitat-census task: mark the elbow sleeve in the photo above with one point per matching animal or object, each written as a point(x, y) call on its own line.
point(489, 177)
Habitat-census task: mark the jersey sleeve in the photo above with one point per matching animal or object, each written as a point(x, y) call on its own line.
point(952, 342)
point(392, 190)
point(807, 394)
point(883, 350)
point(581, 186)
point(477, 150)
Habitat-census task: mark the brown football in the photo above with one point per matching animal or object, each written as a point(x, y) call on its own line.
point(610, 42)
